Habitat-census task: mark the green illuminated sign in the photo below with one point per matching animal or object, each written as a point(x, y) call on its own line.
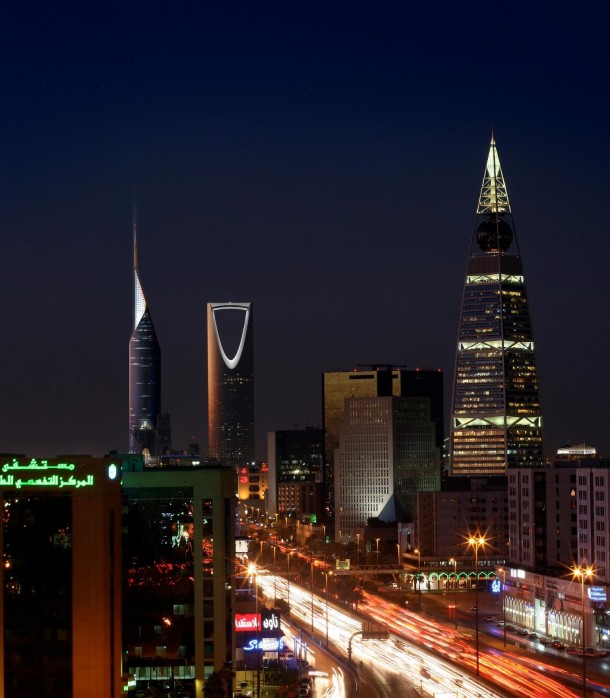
point(36, 474)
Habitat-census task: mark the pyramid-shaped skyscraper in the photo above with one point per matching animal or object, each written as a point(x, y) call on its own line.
point(496, 423)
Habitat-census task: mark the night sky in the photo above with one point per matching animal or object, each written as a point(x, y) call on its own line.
point(320, 160)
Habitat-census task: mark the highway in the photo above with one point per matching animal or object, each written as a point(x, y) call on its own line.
point(398, 662)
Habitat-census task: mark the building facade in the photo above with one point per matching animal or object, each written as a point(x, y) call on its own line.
point(179, 593)
point(496, 423)
point(144, 373)
point(380, 381)
point(230, 382)
point(295, 472)
point(61, 577)
point(445, 519)
point(387, 452)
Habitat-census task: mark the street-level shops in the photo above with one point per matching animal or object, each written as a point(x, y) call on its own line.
point(553, 607)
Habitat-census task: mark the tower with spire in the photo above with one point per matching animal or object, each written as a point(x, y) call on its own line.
point(496, 423)
point(144, 371)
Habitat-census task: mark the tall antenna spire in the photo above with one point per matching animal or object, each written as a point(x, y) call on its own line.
point(139, 299)
point(494, 194)
point(134, 216)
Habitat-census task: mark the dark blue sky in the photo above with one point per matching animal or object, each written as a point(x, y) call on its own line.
point(321, 160)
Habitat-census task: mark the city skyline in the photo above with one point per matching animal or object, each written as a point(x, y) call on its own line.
point(326, 170)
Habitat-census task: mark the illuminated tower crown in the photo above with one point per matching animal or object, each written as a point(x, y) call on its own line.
point(496, 422)
point(144, 371)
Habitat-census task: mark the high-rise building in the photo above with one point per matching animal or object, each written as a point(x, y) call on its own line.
point(60, 606)
point(179, 593)
point(387, 453)
point(295, 472)
point(380, 381)
point(496, 422)
point(230, 382)
point(144, 372)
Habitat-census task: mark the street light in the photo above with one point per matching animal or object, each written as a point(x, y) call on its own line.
point(453, 562)
point(274, 577)
point(326, 573)
point(581, 572)
point(312, 596)
point(288, 554)
point(502, 571)
point(476, 542)
point(398, 562)
point(377, 541)
point(417, 551)
point(252, 569)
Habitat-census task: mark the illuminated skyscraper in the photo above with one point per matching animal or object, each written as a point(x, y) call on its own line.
point(144, 372)
point(230, 382)
point(495, 421)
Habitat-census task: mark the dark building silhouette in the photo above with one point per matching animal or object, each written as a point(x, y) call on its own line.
point(144, 373)
point(496, 422)
point(60, 607)
point(230, 382)
point(295, 471)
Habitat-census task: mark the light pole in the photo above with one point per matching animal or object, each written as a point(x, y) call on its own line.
point(398, 562)
point(288, 554)
point(476, 542)
point(253, 572)
point(311, 564)
point(453, 561)
point(418, 579)
point(274, 577)
point(581, 572)
point(502, 571)
point(377, 571)
point(326, 575)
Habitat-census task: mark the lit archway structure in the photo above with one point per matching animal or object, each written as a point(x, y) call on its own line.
point(230, 382)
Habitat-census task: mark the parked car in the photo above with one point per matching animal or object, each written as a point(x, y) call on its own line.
point(532, 636)
point(592, 652)
point(500, 623)
point(558, 645)
point(489, 619)
point(545, 641)
point(510, 628)
point(523, 631)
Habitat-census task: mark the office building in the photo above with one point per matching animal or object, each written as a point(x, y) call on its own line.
point(230, 382)
point(60, 609)
point(295, 472)
point(496, 422)
point(144, 372)
point(379, 381)
point(179, 594)
point(387, 453)
point(559, 520)
point(465, 506)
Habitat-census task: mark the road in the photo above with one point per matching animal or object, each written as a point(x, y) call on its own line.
point(400, 667)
